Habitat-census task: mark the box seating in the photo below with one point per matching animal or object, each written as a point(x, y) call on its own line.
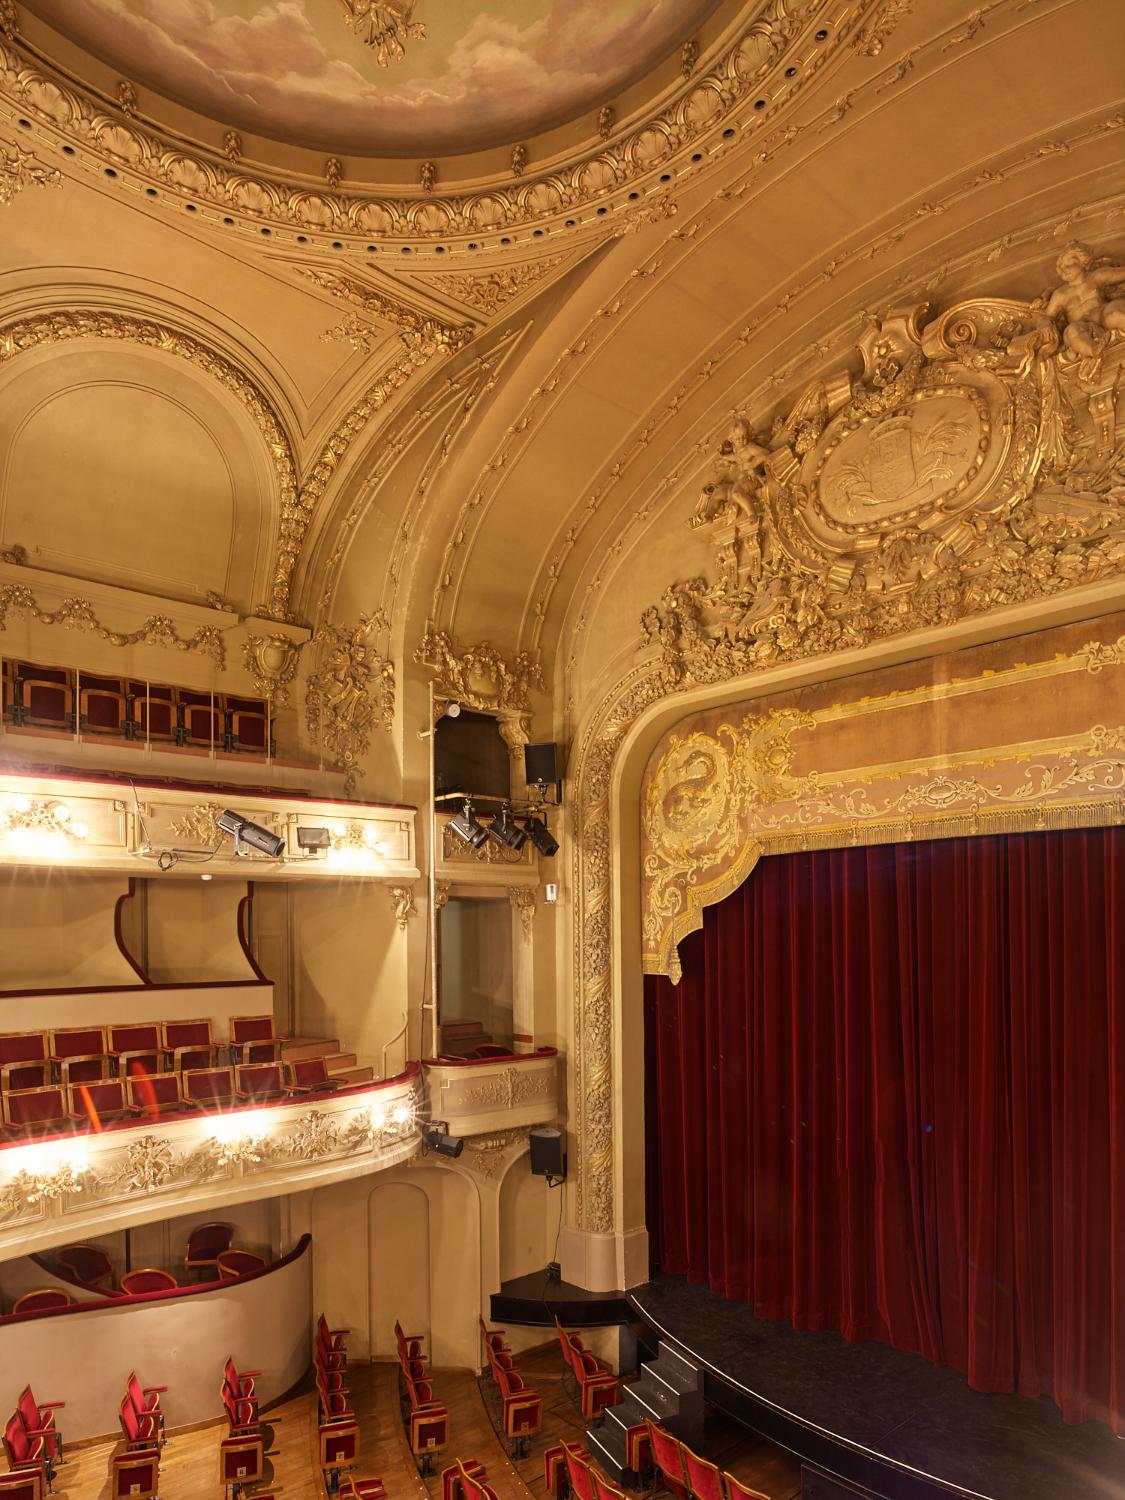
point(148, 1279)
point(205, 1244)
point(308, 1075)
point(188, 1044)
point(43, 1299)
point(235, 1263)
point(78, 1054)
point(88, 1264)
point(36, 1111)
point(252, 1040)
point(597, 1386)
point(24, 1060)
point(257, 1082)
point(101, 704)
point(136, 1046)
point(208, 1088)
point(156, 1095)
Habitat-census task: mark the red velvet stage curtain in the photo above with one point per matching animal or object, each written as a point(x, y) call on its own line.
point(888, 1097)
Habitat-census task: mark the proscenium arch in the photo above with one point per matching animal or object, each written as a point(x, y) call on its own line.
point(30, 331)
point(605, 1242)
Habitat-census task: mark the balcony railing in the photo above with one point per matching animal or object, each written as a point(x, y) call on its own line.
point(481, 1095)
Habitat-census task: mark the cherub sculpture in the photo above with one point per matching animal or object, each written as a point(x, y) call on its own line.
point(1079, 303)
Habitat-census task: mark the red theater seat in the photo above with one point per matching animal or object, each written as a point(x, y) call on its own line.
point(242, 1414)
point(141, 1430)
point(668, 1456)
point(704, 1479)
point(135, 1046)
point(91, 1103)
point(737, 1491)
point(188, 1044)
point(26, 1452)
point(145, 1399)
point(78, 1054)
point(308, 1075)
point(240, 1462)
point(24, 1060)
point(235, 1263)
point(252, 1040)
point(22, 1484)
point(205, 1244)
point(148, 1279)
point(39, 1421)
point(155, 1095)
point(597, 1386)
point(240, 1383)
point(260, 1082)
point(36, 1111)
point(362, 1489)
point(135, 1474)
point(43, 1299)
point(339, 1447)
point(208, 1088)
point(87, 1263)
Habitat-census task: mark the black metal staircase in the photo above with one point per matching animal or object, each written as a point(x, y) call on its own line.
point(669, 1390)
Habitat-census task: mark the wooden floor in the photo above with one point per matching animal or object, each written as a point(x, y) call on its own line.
point(191, 1459)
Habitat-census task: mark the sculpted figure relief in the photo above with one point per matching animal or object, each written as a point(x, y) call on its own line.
point(1080, 304)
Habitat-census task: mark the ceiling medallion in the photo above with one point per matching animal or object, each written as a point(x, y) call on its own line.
point(385, 26)
point(613, 175)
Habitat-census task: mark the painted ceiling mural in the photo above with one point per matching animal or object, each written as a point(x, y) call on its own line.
point(409, 77)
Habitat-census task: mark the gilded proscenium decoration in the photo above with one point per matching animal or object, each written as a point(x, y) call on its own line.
point(79, 614)
point(271, 661)
point(386, 26)
point(709, 97)
point(26, 334)
point(480, 676)
point(20, 169)
point(1041, 515)
point(339, 707)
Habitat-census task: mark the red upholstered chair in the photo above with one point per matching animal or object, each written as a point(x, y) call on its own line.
point(140, 1431)
point(151, 714)
point(491, 1049)
point(248, 721)
point(156, 1095)
point(47, 696)
point(22, 1484)
point(521, 1409)
point(36, 1111)
point(24, 1060)
point(704, 1479)
point(208, 1088)
point(580, 1483)
point(333, 1400)
point(235, 1263)
point(259, 1082)
point(493, 1339)
point(453, 1479)
point(603, 1490)
point(42, 1300)
point(242, 1414)
point(78, 1054)
point(91, 1103)
point(241, 1461)
point(331, 1346)
point(668, 1456)
point(148, 1279)
point(638, 1449)
point(309, 1075)
point(362, 1489)
point(135, 1046)
point(735, 1490)
point(240, 1383)
point(24, 1452)
point(145, 1399)
point(597, 1386)
point(252, 1040)
point(40, 1420)
point(554, 1467)
point(135, 1474)
point(188, 1044)
point(101, 704)
point(339, 1448)
point(205, 1244)
point(428, 1424)
point(88, 1264)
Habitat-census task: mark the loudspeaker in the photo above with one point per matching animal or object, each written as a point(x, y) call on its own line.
point(539, 765)
point(547, 1156)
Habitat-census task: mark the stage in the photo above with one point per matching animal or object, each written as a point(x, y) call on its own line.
point(867, 1414)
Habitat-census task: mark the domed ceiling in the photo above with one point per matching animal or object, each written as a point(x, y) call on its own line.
point(383, 77)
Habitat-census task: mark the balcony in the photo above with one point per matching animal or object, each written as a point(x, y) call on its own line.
point(62, 1189)
point(478, 1096)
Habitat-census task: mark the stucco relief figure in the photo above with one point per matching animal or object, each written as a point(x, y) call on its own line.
point(344, 683)
point(1079, 304)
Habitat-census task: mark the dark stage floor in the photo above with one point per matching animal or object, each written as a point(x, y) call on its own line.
point(889, 1420)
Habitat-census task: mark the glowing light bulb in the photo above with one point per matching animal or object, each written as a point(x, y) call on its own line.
point(401, 1114)
point(61, 812)
point(19, 803)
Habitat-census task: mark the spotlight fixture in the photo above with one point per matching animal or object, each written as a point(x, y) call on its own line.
point(506, 832)
point(453, 709)
point(436, 1138)
point(311, 839)
point(466, 827)
point(540, 835)
point(251, 834)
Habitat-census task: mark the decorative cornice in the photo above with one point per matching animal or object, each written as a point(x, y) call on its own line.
point(79, 614)
point(609, 173)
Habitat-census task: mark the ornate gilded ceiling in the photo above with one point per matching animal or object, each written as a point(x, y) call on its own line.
point(383, 77)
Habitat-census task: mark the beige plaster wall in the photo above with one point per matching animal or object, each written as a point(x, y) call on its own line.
point(193, 930)
point(56, 929)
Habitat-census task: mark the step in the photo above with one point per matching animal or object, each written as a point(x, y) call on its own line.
point(338, 1062)
point(607, 1446)
point(692, 1374)
point(681, 1379)
point(638, 1404)
point(655, 1393)
point(451, 1030)
point(307, 1047)
point(351, 1077)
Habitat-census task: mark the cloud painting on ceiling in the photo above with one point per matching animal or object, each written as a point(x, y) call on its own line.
point(407, 77)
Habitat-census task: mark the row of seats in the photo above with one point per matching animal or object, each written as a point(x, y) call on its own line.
point(242, 1451)
point(425, 1419)
point(339, 1425)
point(521, 1408)
point(686, 1475)
point(33, 1442)
point(595, 1383)
point(466, 1479)
point(571, 1474)
point(88, 1054)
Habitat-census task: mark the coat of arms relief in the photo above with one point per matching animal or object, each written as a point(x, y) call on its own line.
point(976, 460)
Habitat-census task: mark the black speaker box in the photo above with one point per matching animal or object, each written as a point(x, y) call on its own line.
point(547, 1156)
point(540, 764)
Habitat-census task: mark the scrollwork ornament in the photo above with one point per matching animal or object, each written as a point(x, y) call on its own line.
point(20, 169)
point(402, 900)
point(272, 662)
point(479, 676)
point(79, 614)
point(339, 707)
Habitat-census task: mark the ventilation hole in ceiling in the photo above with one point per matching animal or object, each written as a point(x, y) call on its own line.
point(264, 230)
point(791, 72)
point(68, 150)
point(728, 132)
point(759, 104)
point(697, 156)
point(302, 239)
point(227, 219)
point(151, 193)
point(822, 36)
point(25, 124)
point(109, 172)
point(666, 177)
point(337, 244)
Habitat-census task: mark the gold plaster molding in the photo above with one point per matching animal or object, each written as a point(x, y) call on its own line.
point(488, 291)
point(402, 900)
point(422, 334)
point(271, 661)
point(602, 171)
point(479, 676)
point(1040, 516)
point(79, 614)
point(339, 709)
point(386, 26)
point(20, 169)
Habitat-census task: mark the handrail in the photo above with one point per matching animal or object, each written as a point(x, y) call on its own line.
point(131, 1299)
point(483, 1062)
point(314, 1096)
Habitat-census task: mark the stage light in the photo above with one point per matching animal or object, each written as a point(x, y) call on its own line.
point(311, 839)
point(249, 833)
point(437, 1140)
point(466, 827)
point(453, 710)
point(540, 836)
point(505, 832)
